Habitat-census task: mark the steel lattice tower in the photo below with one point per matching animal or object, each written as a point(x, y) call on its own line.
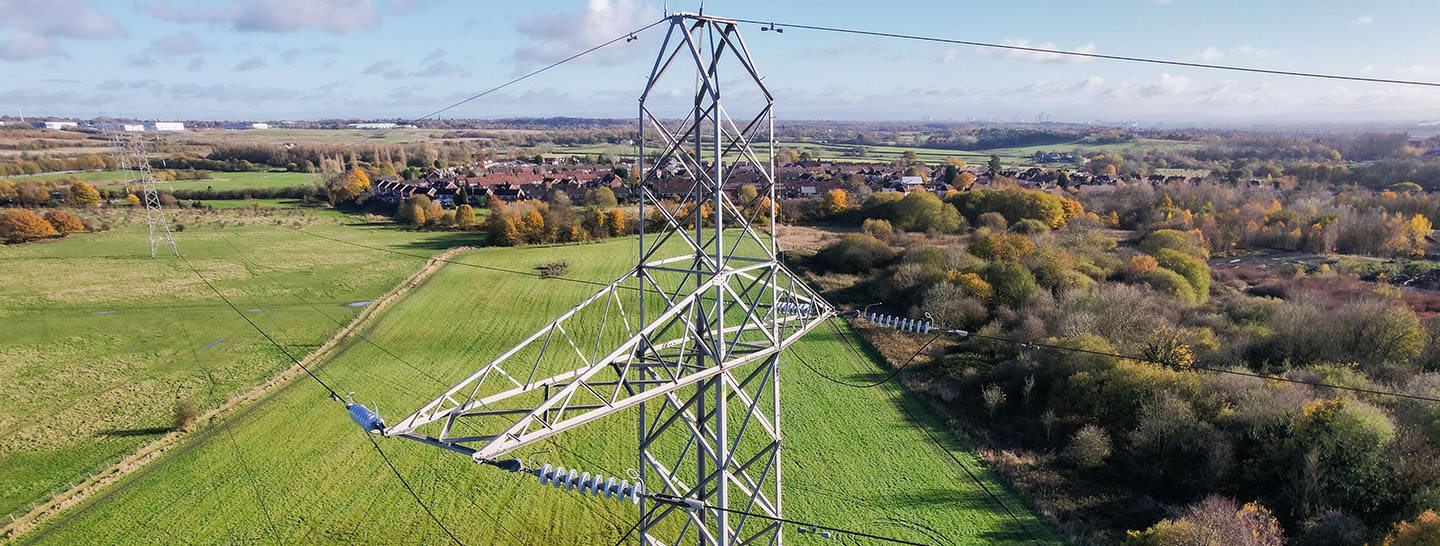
point(134, 161)
point(689, 339)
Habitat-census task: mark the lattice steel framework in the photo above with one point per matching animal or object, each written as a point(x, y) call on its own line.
point(689, 339)
point(134, 162)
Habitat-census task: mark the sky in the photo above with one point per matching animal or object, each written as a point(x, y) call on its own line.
point(400, 59)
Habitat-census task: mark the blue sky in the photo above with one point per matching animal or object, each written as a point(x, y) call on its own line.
point(308, 59)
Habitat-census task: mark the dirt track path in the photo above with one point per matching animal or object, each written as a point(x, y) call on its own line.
point(152, 451)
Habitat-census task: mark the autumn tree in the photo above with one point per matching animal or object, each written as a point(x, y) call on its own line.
point(835, 202)
point(84, 195)
point(132, 199)
point(22, 225)
point(616, 222)
point(64, 222)
point(464, 217)
point(963, 180)
point(600, 197)
point(502, 230)
point(1425, 530)
point(345, 188)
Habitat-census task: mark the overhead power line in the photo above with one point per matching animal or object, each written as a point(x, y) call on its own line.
point(774, 24)
point(625, 36)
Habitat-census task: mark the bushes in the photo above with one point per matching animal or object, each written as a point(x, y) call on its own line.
point(18, 225)
point(1015, 204)
point(916, 211)
point(1195, 271)
point(1215, 521)
point(1424, 531)
point(1030, 226)
point(1169, 282)
point(1090, 447)
point(857, 253)
point(64, 222)
point(1187, 243)
point(1012, 282)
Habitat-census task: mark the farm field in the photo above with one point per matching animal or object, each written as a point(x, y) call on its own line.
point(100, 339)
point(236, 181)
point(293, 468)
point(1011, 156)
point(218, 180)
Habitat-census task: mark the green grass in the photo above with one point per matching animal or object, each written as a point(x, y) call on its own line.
point(852, 460)
point(236, 181)
point(96, 337)
point(1011, 156)
point(89, 176)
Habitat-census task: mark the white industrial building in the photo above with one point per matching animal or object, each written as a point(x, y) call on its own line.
point(56, 125)
point(165, 125)
point(374, 125)
point(247, 125)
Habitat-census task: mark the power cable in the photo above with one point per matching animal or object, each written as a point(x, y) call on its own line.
point(920, 425)
point(1047, 51)
point(625, 36)
point(682, 502)
point(234, 445)
point(333, 395)
point(422, 504)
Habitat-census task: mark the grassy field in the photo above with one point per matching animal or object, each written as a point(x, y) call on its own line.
point(294, 469)
point(99, 339)
point(218, 180)
point(1012, 156)
point(237, 181)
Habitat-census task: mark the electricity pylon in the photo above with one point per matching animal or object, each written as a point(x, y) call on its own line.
point(689, 339)
point(134, 162)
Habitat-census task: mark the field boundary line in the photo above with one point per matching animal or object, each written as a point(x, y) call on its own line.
point(152, 451)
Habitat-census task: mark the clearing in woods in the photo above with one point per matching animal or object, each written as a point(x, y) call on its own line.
point(98, 337)
point(294, 467)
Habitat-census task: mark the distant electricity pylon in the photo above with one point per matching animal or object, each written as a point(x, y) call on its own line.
point(689, 339)
point(134, 162)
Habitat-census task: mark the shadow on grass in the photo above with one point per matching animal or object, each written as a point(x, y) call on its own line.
point(133, 432)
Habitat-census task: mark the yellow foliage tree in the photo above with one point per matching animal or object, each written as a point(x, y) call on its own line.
point(64, 222)
point(1424, 531)
point(835, 202)
point(132, 200)
point(616, 223)
point(84, 195)
point(22, 225)
point(464, 217)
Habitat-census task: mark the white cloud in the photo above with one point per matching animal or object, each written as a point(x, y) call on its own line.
point(250, 64)
point(38, 26)
point(433, 56)
point(1210, 54)
point(378, 67)
point(1038, 56)
point(22, 46)
point(333, 16)
point(1363, 20)
point(560, 35)
point(949, 55)
point(183, 43)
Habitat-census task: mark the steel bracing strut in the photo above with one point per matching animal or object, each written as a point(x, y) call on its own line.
point(689, 340)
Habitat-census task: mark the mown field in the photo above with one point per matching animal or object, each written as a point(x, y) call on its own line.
point(217, 180)
point(97, 340)
point(1010, 156)
point(292, 468)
